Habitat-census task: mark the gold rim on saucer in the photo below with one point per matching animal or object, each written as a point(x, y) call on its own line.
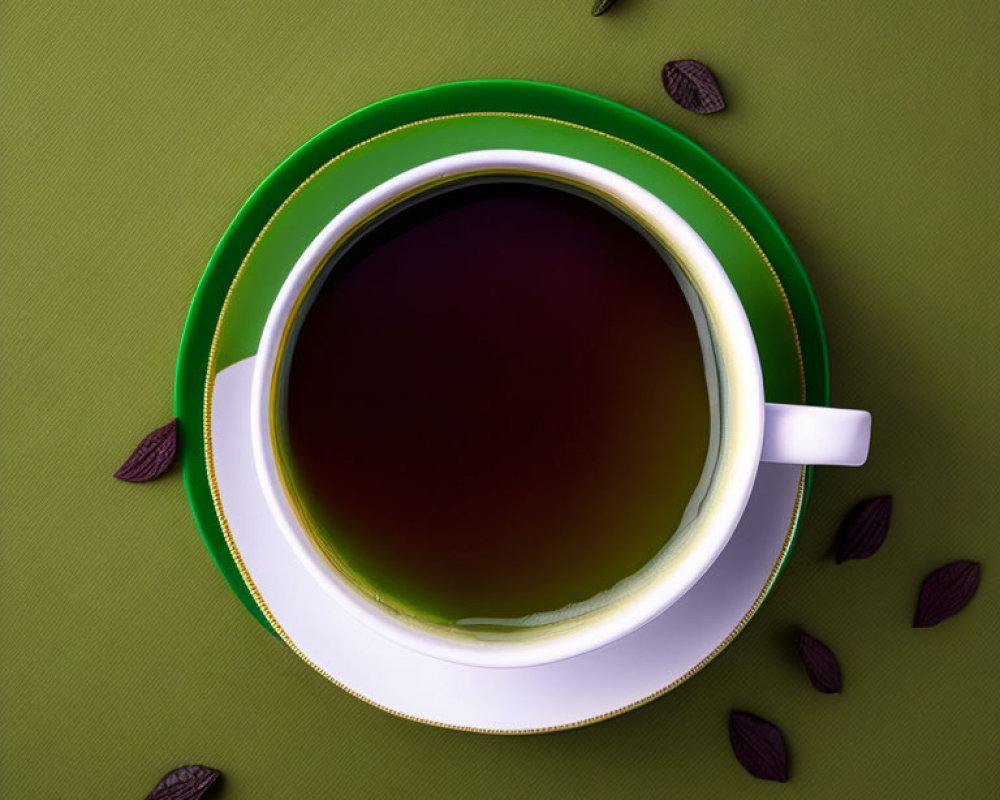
point(237, 556)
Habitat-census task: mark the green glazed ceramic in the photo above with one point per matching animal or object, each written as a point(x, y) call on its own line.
point(362, 150)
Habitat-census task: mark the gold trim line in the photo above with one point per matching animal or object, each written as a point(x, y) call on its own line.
point(238, 558)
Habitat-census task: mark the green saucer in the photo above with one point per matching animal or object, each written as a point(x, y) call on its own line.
point(353, 155)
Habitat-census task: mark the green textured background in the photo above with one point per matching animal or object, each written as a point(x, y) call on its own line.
point(129, 137)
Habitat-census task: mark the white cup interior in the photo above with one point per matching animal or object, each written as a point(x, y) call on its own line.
point(732, 364)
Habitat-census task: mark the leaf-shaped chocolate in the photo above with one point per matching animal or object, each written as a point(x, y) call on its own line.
point(693, 86)
point(759, 746)
point(945, 592)
point(185, 783)
point(820, 663)
point(601, 6)
point(864, 529)
point(152, 457)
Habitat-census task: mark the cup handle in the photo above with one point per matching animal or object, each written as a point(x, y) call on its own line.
point(815, 435)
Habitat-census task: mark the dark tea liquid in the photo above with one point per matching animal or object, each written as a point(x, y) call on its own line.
point(496, 404)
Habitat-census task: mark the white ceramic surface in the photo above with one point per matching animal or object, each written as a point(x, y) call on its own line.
point(600, 683)
point(798, 434)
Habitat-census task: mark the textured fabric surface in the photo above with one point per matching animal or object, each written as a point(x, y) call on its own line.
point(130, 133)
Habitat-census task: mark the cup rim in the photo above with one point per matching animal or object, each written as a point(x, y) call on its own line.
point(742, 417)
